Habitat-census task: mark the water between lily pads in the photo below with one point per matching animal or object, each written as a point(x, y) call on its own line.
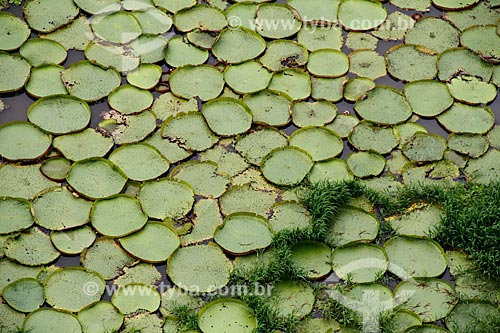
point(17, 104)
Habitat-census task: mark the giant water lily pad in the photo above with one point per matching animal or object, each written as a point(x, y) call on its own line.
point(423, 147)
point(316, 10)
point(283, 54)
point(318, 37)
point(468, 144)
point(238, 45)
point(313, 258)
point(199, 17)
point(313, 113)
point(293, 83)
point(269, 107)
point(384, 105)
point(485, 168)
point(82, 145)
point(365, 164)
point(479, 120)
point(74, 241)
point(352, 224)
point(463, 61)
point(454, 4)
point(47, 16)
point(369, 136)
point(320, 142)
point(360, 263)
point(199, 268)
point(328, 63)
point(22, 181)
point(237, 77)
point(203, 177)
point(100, 317)
point(254, 146)
point(466, 315)
point(117, 27)
point(15, 215)
point(360, 15)
point(32, 247)
point(418, 221)
point(14, 32)
point(180, 52)
point(46, 80)
point(471, 90)
point(50, 320)
point(23, 141)
point(225, 316)
point(411, 62)
point(268, 13)
point(292, 298)
point(227, 116)
point(24, 295)
point(43, 51)
point(15, 72)
point(134, 298)
point(201, 81)
point(128, 99)
point(333, 170)
point(428, 98)
point(286, 166)
point(433, 33)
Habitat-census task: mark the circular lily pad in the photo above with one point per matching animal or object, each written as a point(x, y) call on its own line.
point(313, 113)
point(289, 215)
point(149, 48)
point(454, 4)
point(330, 89)
point(430, 298)
point(134, 298)
point(23, 141)
point(226, 316)
point(283, 54)
point(361, 15)
point(485, 168)
point(227, 116)
point(479, 119)
point(168, 105)
point(293, 83)
point(60, 114)
point(166, 198)
point(320, 142)
point(351, 225)
point(467, 144)
point(343, 124)
point(415, 257)
point(411, 62)
point(254, 146)
point(384, 105)
point(334, 170)
point(46, 80)
point(47, 16)
point(180, 52)
point(14, 32)
point(22, 181)
point(118, 216)
point(417, 222)
point(463, 61)
point(96, 178)
point(328, 63)
point(203, 177)
point(174, 6)
point(313, 258)
point(59, 209)
point(15, 72)
point(90, 82)
point(466, 315)
point(247, 77)
point(56, 168)
point(286, 166)
point(201, 81)
point(153, 20)
point(128, 99)
point(100, 317)
point(368, 298)
point(269, 107)
point(471, 90)
point(154, 243)
point(32, 248)
point(40, 51)
point(199, 268)
point(423, 147)
point(367, 63)
point(369, 136)
point(82, 145)
point(318, 37)
point(24, 295)
point(238, 45)
point(111, 55)
point(139, 161)
point(129, 128)
point(292, 298)
point(15, 215)
point(74, 241)
point(146, 76)
point(433, 33)
point(359, 263)
point(483, 40)
point(428, 98)
point(195, 17)
point(365, 164)
point(118, 27)
point(50, 320)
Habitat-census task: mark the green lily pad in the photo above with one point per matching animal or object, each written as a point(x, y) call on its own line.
point(40, 51)
point(139, 161)
point(493, 137)
point(428, 98)
point(225, 316)
point(96, 7)
point(74, 241)
point(150, 48)
point(467, 144)
point(24, 295)
point(423, 147)
point(395, 27)
point(289, 215)
point(141, 273)
point(361, 41)
point(32, 248)
point(106, 258)
point(485, 168)
point(201, 39)
point(352, 225)
point(369, 136)
point(119, 27)
point(50, 320)
point(237, 77)
point(361, 15)
point(328, 63)
point(163, 241)
point(276, 12)
point(90, 82)
point(318, 113)
point(368, 299)
point(330, 89)
point(243, 233)
point(166, 198)
point(411, 62)
point(14, 32)
point(47, 16)
point(238, 45)
point(85, 287)
point(96, 178)
point(207, 219)
point(128, 99)
point(430, 298)
point(254, 146)
point(10, 318)
point(180, 52)
point(292, 298)
point(15, 215)
point(359, 262)
point(479, 119)
point(146, 76)
point(15, 72)
point(313, 258)
point(481, 14)
point(334, 170)
point(293, 83)
point(357, 88)
point(199, 268)
point(169, 105)
point(471, 90)
point(408, 130)
point(242, 15)
point(82, 145)
point(110, 55)
point(175, 5)
point(22, 181)
point(433, 33)
point(463, 61)
point(23, 141)
point(318, 325)
point(245, 198)
point(75, 35)
point(316, 10)
point(420, 5)
point(60, 114)
point(454, 4)
point(367, 63)
point(202, 81)
point(384, 105)
point(320, 142)
point(143, 321)
point(227, 116)
point(153, 20)
point(365, 164)
point(117, 216)
point(199, 17)
point(46, 80)
point(466, 315)
point(420, 221)
point(134, 298)
point(100, 317)
point(59, 209)
point(269, 107)
point(415, 257)
point(286, 166)
point(318, 37)
point(128, 128)
point(203, 177)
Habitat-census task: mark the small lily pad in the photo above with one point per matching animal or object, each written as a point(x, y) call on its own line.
point(238, 45)
point(128, 99)
point(207, 219)
point(15, 72)
point(471, 90)
point(47, 16)
point(202, 81)
point(139, 161)
point(320, 142)
point(203, 177)
point(318, 37)
point(170, 105)
point(32, 248)
point(289, 215)
point(286, 166)
point(428, 98)
point(433, 33)
point(227, 116)
point(254, 146)
point(328, 63)
point(360, 263)
point(395, 27)
point(50, 320)
point(82, 145)
point(384, 105)
point(180, 52)
point(276, 12)
point(318, 113)
point(197, 17)
point(330, 89)
point(369, 136)
point(313, 258)
point(40, 51)
point(46, 80)
point(352, 225)
point(334, 170)
point(134, 298)
point(225, 316)
point(423, 147)
point(153, 20)
point(360, 15)
point(245, 198)
point(23, 141)
point(117, 27)
point(269, 107)
point(74, 241)
point(357, 88)
point(237, 77)
point(479, 119)
point(14, 32)
point(100, 317)
point(408, 62)
point(365, 164)
point(146, 76)
point(367, 63)
point(294, 83)
point(24, 295)
point(467, 144)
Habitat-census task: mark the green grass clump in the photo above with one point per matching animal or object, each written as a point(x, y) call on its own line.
point(268, 318)
point(186, 316)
